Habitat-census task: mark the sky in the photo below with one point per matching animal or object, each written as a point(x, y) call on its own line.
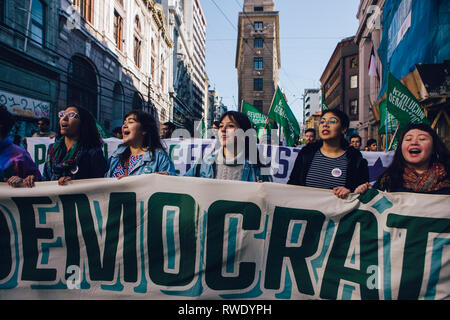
point(309, 33)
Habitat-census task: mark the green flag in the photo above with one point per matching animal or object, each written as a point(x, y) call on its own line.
point(391, 121)
point(402, 103)
point(257, 118)
point(103, 133)
point(282, 114)
point(201, 128)
point(324, 102)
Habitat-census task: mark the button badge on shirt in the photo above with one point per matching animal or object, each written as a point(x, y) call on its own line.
point(336, 172)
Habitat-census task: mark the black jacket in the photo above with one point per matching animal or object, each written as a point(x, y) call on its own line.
point(357, 169)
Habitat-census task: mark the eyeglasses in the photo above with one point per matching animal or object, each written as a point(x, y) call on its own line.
point(70, 114)
point(329, 121)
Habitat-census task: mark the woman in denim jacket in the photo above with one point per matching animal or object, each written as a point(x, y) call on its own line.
point(237, 158)
point(141, 151)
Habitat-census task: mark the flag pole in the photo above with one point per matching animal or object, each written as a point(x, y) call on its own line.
point(271, 105)
point(392, 141)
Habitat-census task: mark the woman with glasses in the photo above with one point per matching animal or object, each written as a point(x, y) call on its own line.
point(330, 163)
point(78, 149)
point(141, 151)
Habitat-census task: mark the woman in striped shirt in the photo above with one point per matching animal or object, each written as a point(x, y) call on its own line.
point(330, 163)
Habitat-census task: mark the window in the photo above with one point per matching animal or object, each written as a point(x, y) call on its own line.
point(258, 104)
point(353, 63)
point(258, 43)
point(37, 22)
point(137, 51)
point(257, 63)
point(118, 30)
point(2, 11)
point(354, 107)
point(258, 8)
point(137, 42)
point(258, 84)
point(152, 68)
point(138, 102)
point(162, 80)
point(118, 105)
point(354, 82)
point(86, 9)
point(258, 25)
point(82, 85)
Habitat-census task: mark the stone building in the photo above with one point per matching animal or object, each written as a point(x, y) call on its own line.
point(114, 55)
point(258, 53)
point(29, 72)
point(340, 80)
point(188, 80)
point(368, 37)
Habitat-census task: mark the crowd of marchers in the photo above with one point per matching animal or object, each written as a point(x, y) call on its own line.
point(421, 162)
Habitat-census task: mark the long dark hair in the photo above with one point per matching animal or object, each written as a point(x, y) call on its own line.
point(244, 123)
point(393, 176)
point(151, 140)
point(89, 137)
point(345, 123)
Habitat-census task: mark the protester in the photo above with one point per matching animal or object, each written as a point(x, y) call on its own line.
point(310, 135)
point(421, 163)
point(78, 149)
point(215, 127)
point(117, 133)
point(237, 158)
point(355, 141)
point(329, 163)
point(141, 151)
point(44, 125)
point(371, 145)
point(15, 162)
point(167, 129)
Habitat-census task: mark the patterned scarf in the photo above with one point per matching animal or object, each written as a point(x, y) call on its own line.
point(433, 179)
point(63, 162)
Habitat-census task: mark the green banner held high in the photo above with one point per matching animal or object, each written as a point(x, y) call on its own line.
point(402, 103)
point(257, 118)
point(282, 114)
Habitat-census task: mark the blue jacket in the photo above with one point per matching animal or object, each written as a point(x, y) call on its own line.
point(207, 169)
point(157, 161)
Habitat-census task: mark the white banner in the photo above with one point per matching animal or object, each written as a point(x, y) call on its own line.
point(163, 237)
point(186, 152)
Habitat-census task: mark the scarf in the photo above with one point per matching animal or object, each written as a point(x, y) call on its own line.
point(433, 179)
point(63, 162)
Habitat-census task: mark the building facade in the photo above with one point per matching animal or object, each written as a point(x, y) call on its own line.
point(29, 71)
point(340, 80)
point(188, 83)
point(368, 38)
point(258, 53)
point(115, 56)
point(392, 28)
point(312, 108)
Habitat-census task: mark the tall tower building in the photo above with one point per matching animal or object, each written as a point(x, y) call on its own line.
point(258, 53)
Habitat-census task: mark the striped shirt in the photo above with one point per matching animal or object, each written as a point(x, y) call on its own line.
point(327, 173)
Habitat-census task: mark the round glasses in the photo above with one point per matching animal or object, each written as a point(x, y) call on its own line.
point(329, 121)
point(70, 114)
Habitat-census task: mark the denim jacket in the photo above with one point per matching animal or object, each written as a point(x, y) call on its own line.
point(207, 169)
point(157, 161)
